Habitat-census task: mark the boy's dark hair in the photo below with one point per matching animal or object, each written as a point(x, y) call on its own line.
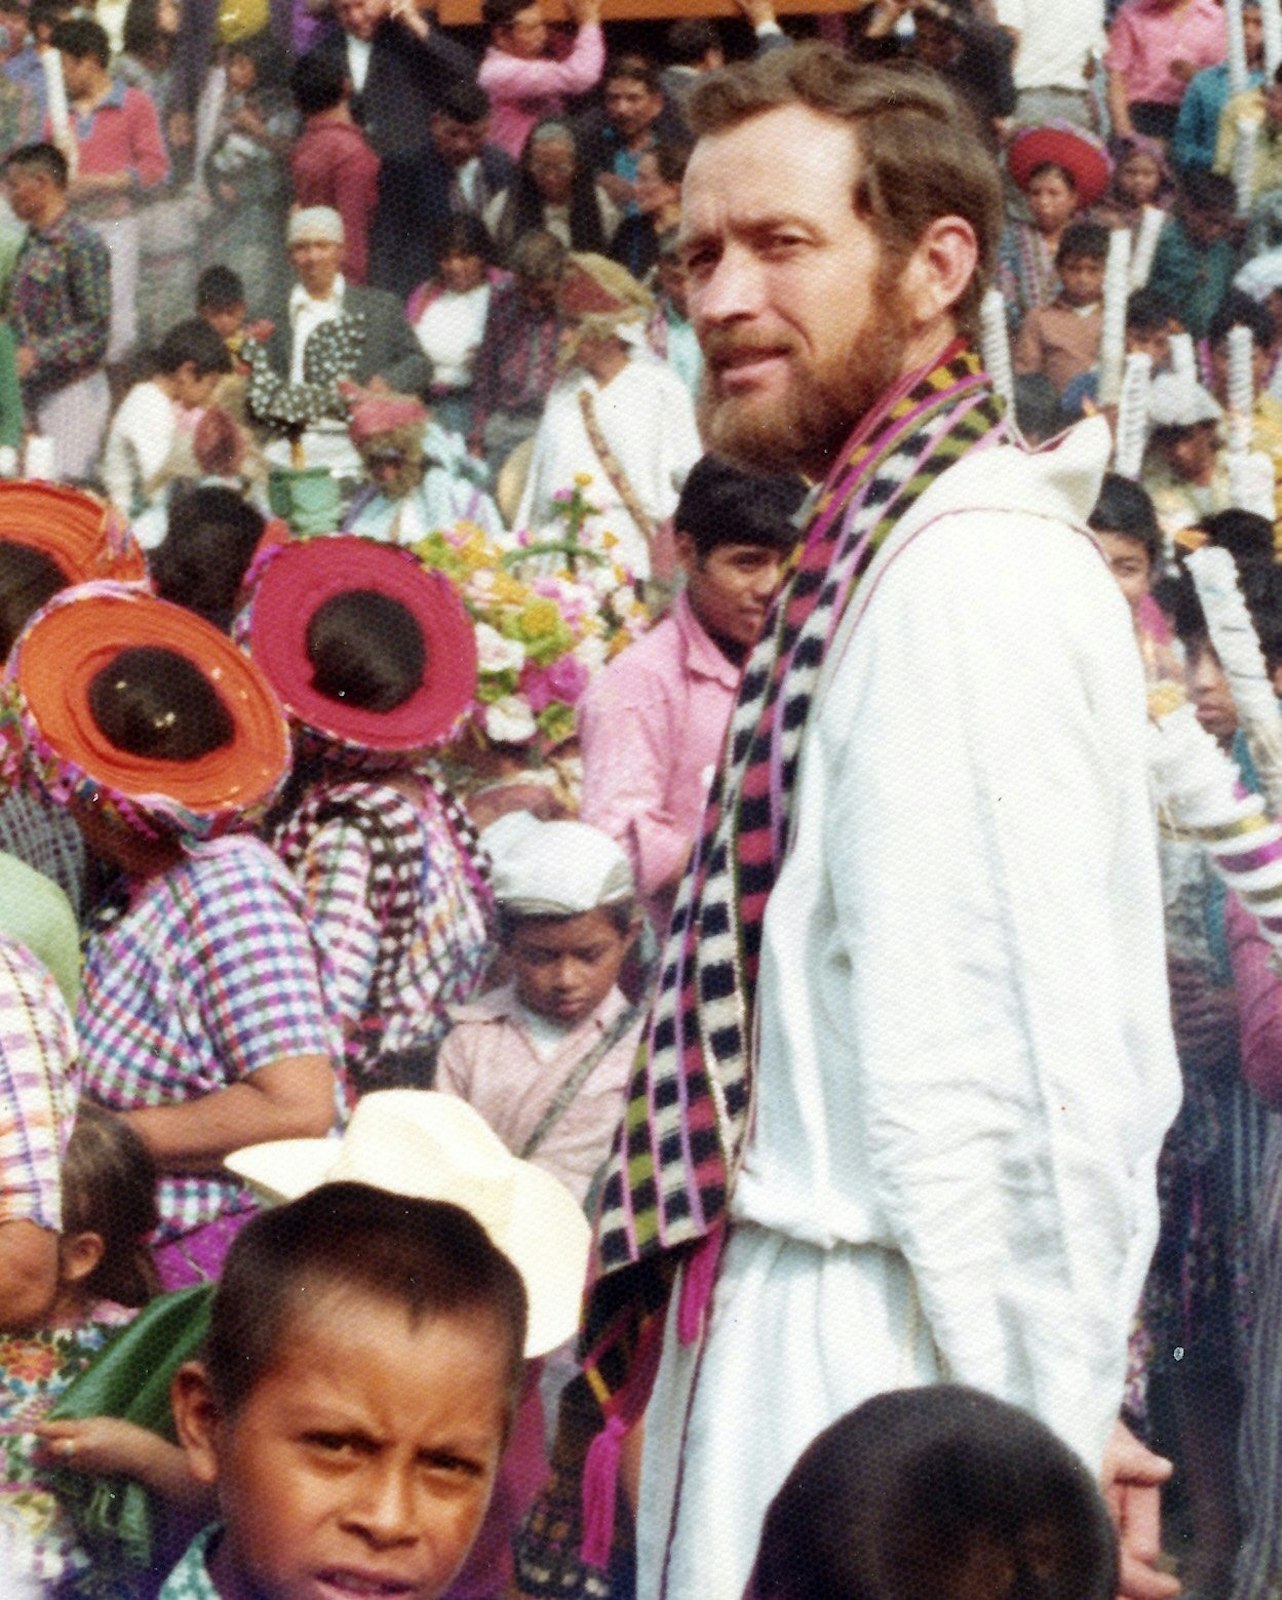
point(109, 1188)
point(1247, 536)
point(1125, 507)
point(634, 66)
point(689, 40)
point(366, 649)
point(1082, 240)
point(1208, 191)
point(429, 1258)
point(499, 13)
point(79, 37)
point(721, 504)
point(209, 542)
point(1261, 586)
point(195, 341)
point(1239, 310)
point(465, 235)
point(219, 288)
point(1148, 310)
point(318, 81)
point(154, 702)
point(42, 157)
point(28, 579)
point(915, 1490)
point(464, 102)
point(47, 13)
point(622, 915)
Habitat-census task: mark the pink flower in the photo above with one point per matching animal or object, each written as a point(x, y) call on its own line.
point(564, 680)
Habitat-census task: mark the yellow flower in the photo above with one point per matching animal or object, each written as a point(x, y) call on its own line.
point(609, 540)
point(583, 479)
point(539, 617)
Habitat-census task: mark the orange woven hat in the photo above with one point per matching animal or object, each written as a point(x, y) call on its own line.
point(85, 536)
point(49, 673)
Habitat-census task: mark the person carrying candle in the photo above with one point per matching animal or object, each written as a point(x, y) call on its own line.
point(1062, 339)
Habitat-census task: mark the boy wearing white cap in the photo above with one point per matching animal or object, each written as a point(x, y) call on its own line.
point(546, 1058)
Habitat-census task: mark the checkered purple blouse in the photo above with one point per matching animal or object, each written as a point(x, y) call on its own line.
point(210, 975)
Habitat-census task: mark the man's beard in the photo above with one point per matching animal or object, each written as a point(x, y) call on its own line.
point(805, 427)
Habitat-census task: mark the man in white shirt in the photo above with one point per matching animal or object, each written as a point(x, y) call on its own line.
point(619, 414)
point(1058, 49)
point(910, 1064)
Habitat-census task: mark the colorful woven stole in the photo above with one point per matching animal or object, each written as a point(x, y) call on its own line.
point(687, 1116)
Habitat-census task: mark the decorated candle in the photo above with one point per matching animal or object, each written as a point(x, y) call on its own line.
point(994, 344)
point(1241, 390)
point(1271, 18)
point(1113, 334)
point(1244, 142)
point(1132, 415)
point(1184, 364)
point(1146, 245)
point(1237, 46)
point(1233, 635)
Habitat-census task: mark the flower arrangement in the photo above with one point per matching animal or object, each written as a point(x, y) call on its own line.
point(549, 614)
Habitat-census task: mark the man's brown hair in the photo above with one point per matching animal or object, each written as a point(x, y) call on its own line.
point(919, 157)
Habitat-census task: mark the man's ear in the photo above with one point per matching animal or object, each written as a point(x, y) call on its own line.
point(197, 1420)
point(938, 272)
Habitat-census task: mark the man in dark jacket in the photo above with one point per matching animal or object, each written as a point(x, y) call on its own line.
point(399, 64)
point(420, 190)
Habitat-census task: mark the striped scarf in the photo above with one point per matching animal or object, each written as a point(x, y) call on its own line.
point(688, 1112)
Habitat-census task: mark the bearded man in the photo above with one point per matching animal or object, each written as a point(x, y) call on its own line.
point(910, 1063)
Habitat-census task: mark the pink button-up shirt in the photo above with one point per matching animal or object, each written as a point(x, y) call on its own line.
point(524, 92)
point(651, 729)
point(489, 1060)
point(1146, 37)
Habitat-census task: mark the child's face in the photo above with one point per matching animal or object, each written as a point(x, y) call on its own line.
point(565, 966)
point(1139, 179)
point(225, 320)
point(1190, 452)
point(1082, 279)
point(29, 1276)
point(242, 73)
point(362, 1463)
point(1211, 695)
point(1052, 200)
point(1128, 562)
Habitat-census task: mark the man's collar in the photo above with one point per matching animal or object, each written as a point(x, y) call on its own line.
point(704, 658)
point(299, 297)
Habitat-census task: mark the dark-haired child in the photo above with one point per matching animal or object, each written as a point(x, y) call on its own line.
point(360, 1379)
point(1062, 339)
point(1125, 527)
point(1196, 253)
point(210, 540)
point(205, 1016)
point(940, 1491)
point(374, 660)
point(546, 1058)
point(155, 417)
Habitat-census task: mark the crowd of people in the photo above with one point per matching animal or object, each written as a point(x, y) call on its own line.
point(640, 802)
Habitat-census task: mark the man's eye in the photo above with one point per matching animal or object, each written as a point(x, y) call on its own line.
point(331, 1443)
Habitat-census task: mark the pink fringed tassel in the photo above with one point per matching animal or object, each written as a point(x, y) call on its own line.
point(600, 1492)
point(698, 1279)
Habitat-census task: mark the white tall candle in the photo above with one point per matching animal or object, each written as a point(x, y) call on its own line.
point(56, 97)
point(1117, 281)
point(1271, 17)
point(1132, 415)
point(1237, 46)
point(1244, 146)
point(1150, 230)
point(994, 344)
point(40, 461)
point(1241, 388)
point(1184, 363)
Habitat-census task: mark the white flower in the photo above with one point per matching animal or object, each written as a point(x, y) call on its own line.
point(591, 652)
point(510, 721)
point(494, 653)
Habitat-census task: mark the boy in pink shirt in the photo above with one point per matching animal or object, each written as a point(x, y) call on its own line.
point(546, 1058)
point(523, 84)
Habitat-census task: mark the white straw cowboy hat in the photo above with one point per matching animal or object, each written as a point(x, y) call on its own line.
point(433, 1146)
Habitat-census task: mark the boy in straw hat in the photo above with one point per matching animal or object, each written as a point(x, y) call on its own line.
point(617, 416)
point(366, 1361)
point(545, 1059)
